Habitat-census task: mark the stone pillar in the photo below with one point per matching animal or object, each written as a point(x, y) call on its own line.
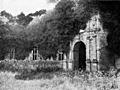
point(57, 58)
point(90, 53)
point(51, 59)
point(37, 54)
point(64, 65)
point(60, 56)
point(88, 65)
point(12, 53)
point(31, 55)
point(64, 62)
point(94, 65)
point(117, 62)
point(70, 64)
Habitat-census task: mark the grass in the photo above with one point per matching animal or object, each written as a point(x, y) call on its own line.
point(29, 66)
point(60, 81)
point(16, 75)
point(30, 69)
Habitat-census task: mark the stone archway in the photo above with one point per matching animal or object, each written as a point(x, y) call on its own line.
point(85, 47)
point(79, 53)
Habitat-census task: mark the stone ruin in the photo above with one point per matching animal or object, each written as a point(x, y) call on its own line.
point(85, 48)
point(34, 55)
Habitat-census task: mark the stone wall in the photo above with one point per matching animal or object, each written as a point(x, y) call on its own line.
point(94, 37)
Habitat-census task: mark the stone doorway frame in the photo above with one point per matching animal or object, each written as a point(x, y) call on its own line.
point(94, 38)
point(76, 50)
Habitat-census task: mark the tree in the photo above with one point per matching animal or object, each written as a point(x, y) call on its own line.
point(4, 29)
point(67, 19)
point(111, 21)
point(37, 13)
point(57, 28)
point(24, 20)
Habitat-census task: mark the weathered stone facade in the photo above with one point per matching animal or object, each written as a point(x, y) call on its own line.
point(34, 55)
point(90, 40)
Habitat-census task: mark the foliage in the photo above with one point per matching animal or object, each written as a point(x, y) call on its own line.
point(38, 13)
point(23, 20)
point(111, 21)
point(60, 81)
point(54, 31)
point(26, 66)
point(58, 28)
point(4, 29)
point(26, 19)
point(13, 35)
point(6, 14)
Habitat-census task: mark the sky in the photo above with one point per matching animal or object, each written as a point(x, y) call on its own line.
point(15, 7)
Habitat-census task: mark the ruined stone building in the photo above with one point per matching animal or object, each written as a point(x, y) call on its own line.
point(34, 55)
point(85, 47)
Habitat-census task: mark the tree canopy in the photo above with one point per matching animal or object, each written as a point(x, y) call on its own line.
point(56, 28)
point(60, 26)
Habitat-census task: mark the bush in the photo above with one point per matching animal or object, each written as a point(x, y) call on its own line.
point(38, 73)
point(32, 75)
point(29, 69)
point(7, 66)
point(29, 66)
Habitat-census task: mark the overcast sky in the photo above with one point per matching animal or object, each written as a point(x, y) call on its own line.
point(26, 6)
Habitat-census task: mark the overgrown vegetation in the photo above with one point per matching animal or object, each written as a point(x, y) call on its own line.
point(61, 81)
point(55, 29)
point(30, 67)
point(51, 33)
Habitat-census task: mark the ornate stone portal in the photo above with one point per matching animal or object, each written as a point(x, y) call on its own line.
point(85, 48)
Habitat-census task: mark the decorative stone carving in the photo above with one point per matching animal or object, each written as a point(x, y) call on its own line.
point(94, 38)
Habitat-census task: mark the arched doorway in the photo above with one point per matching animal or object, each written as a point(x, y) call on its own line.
point(79, 56)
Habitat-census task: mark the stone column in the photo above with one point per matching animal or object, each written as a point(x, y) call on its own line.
point(70, 64)
point(94, 56)
point(94, 65)
point(64, 63)
point(70, 60)
point(89, 60)
point(88, 65)
point(57, 58)
point(37, 54)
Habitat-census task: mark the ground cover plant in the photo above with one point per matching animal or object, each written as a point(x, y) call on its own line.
point(14, 76)
point(66, 80)
point(10, 65)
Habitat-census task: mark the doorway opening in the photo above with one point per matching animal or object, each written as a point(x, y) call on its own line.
point(79, 56)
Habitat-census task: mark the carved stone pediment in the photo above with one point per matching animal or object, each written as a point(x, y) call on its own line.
point(93, 37)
